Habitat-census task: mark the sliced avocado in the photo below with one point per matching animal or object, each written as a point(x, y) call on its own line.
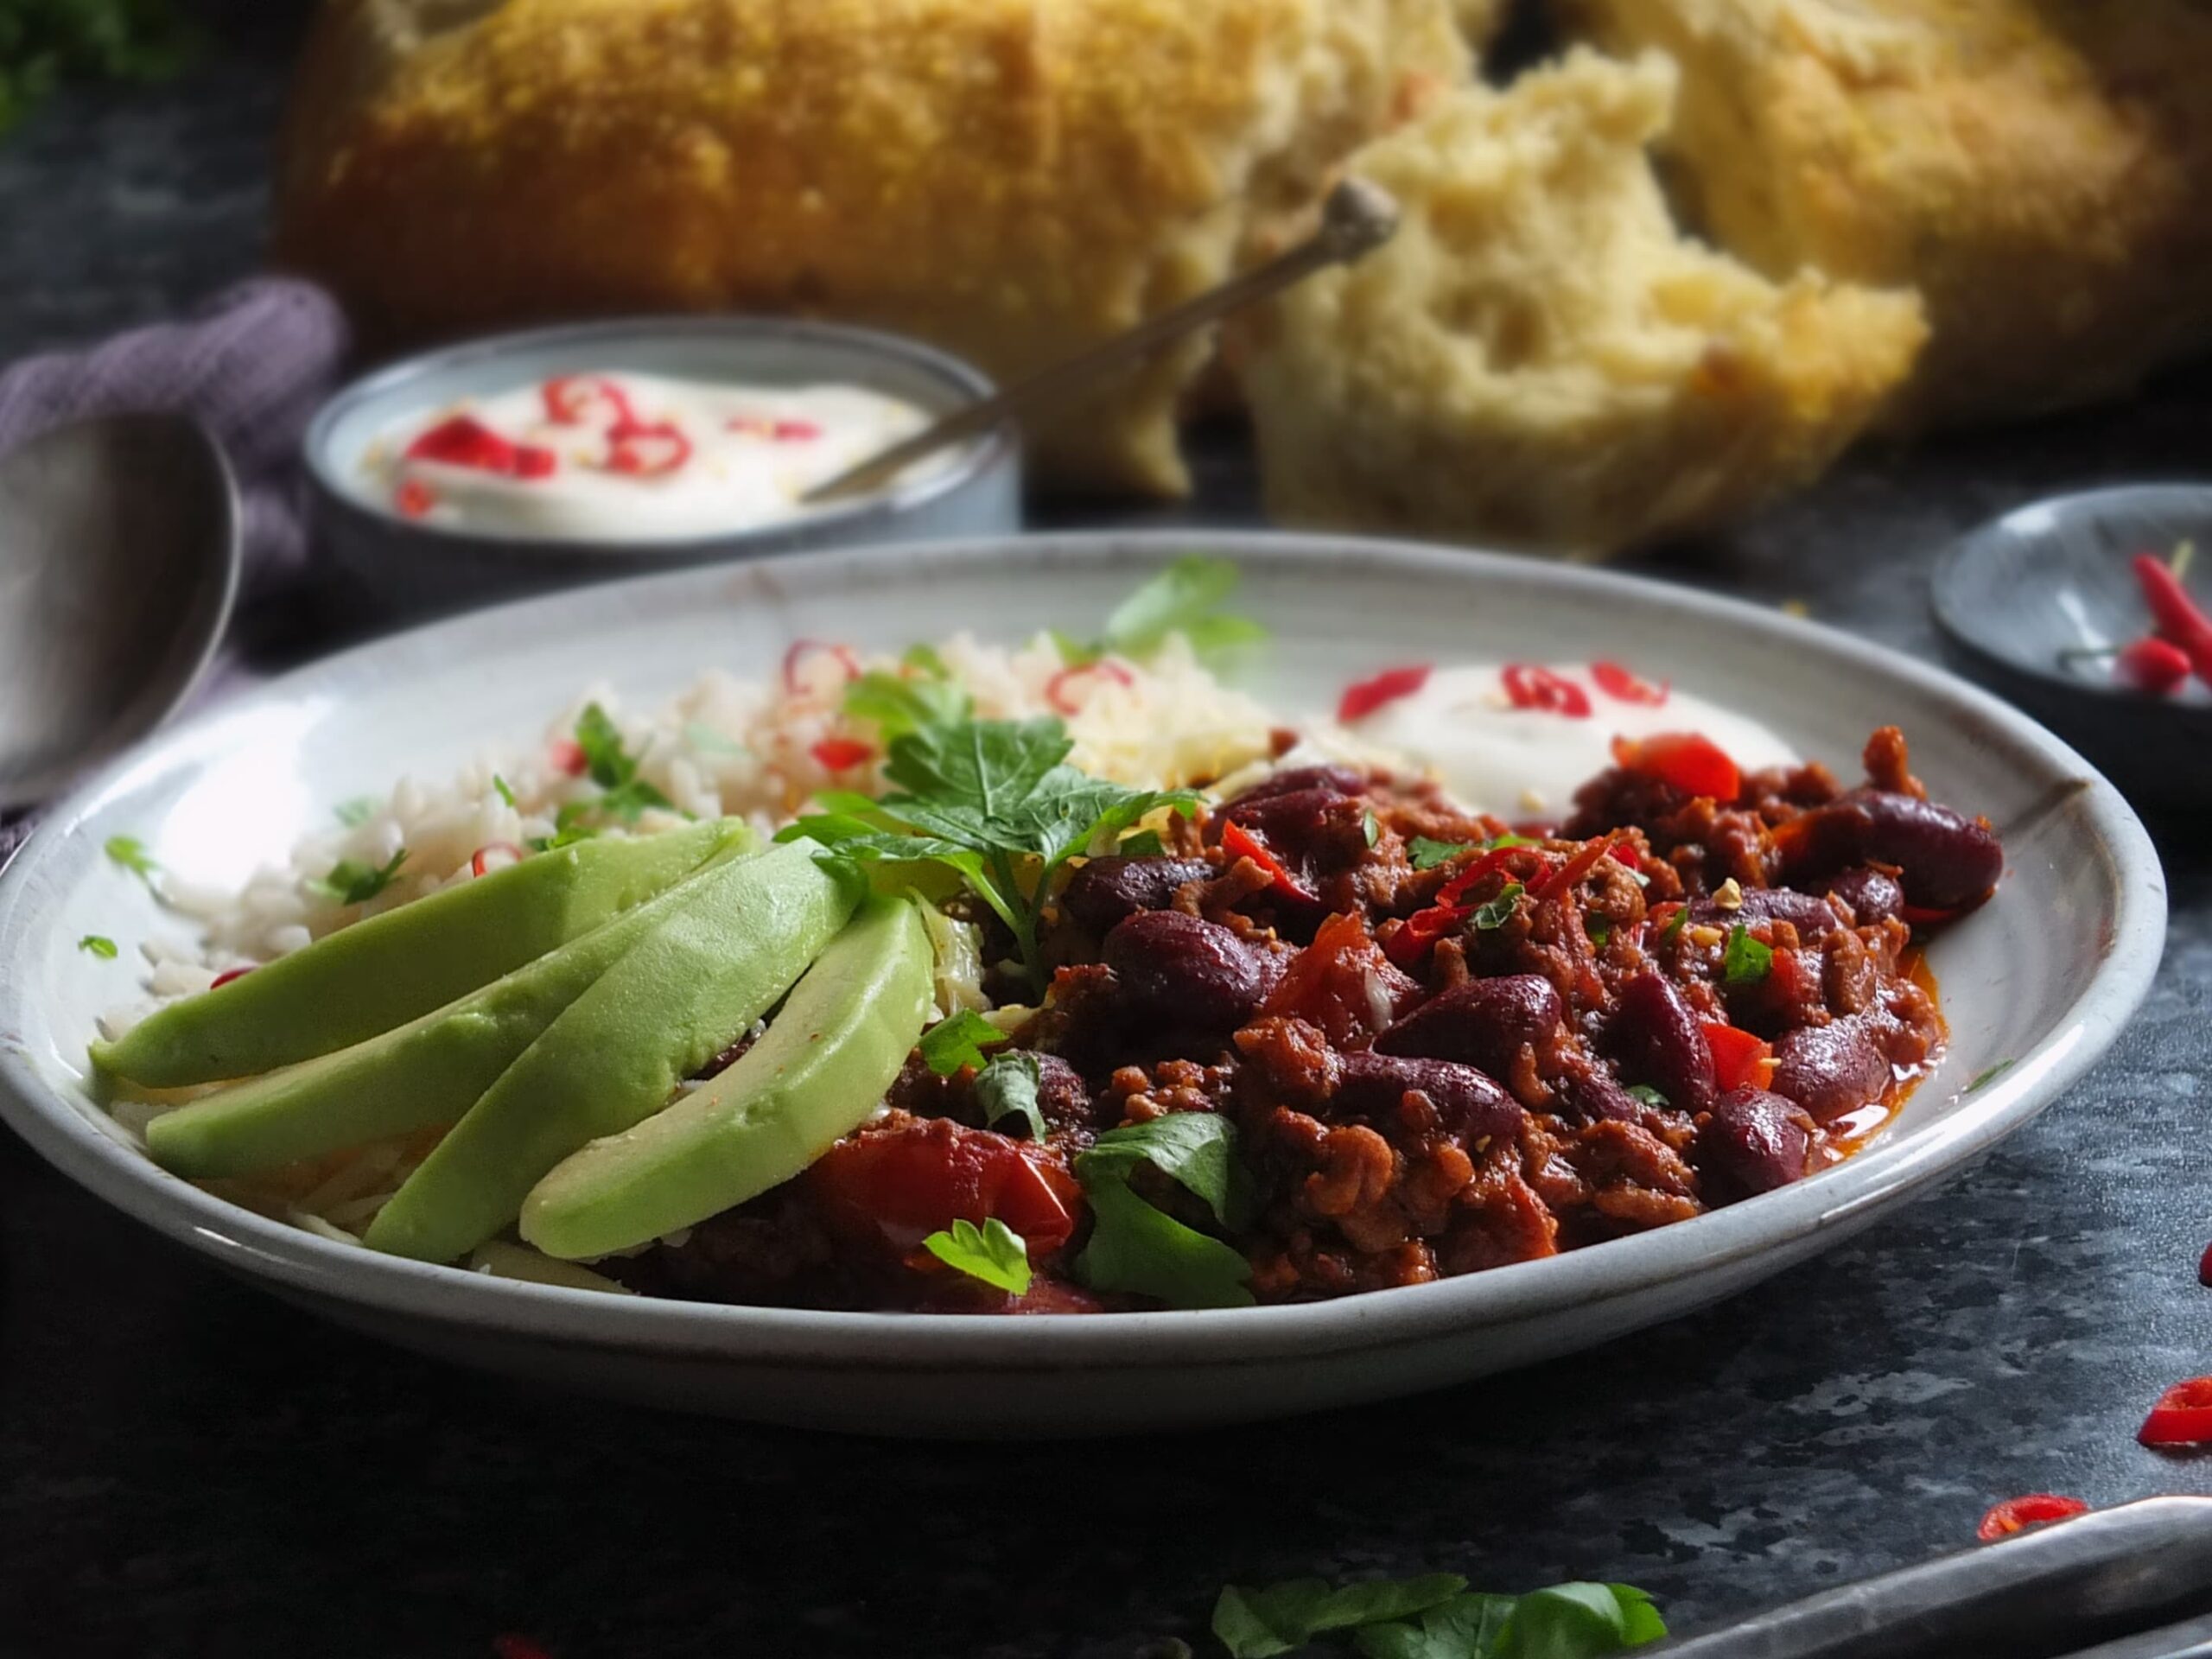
point(380, 973)
point(422, 1075)
point(818, 1072)
point(706, 971)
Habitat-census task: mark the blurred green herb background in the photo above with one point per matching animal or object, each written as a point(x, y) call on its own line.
point(44, 43)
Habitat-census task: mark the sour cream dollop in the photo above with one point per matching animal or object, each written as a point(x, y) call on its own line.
point(632, 457)
point(1512, 740)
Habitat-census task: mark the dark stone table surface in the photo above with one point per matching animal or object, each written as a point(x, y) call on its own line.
point(187, 1467)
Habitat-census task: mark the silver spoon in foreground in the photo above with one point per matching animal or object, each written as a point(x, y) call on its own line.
point(1357, 219)
point(118, 564)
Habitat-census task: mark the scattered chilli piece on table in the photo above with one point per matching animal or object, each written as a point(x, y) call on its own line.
point(2034, 1509)
point(2182, 1418)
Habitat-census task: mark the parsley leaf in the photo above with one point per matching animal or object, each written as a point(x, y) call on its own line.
point(1134, 1247)
point(130, 852)
point(356, 812)
point(1499, 911)
point(1145, 844)
point(1465, 1627)
point(1745, 961)
point(1008, 1088)
point(993, 1253)
point(506, 791)
point(1427, 855)
point(1599, 930)
point(996, 802)
point(99, 944)
point(897, 705)
point(1185, 598)
point(1649, 1095)
point(950, 1044)
point(1673, 931)
point(352, 882)
point(613, 768)
point(1282, 1618)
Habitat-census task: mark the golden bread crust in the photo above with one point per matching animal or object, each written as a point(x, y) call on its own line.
point(2040, 170)
point(1538, 360)
point(1011, 179)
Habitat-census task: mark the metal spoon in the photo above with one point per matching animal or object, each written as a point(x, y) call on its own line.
point(1357, 219)
point(118, 564)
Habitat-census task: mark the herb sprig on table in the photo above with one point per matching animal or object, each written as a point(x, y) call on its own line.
point(43, 42)
point(1436, 1618)
point(995, 803)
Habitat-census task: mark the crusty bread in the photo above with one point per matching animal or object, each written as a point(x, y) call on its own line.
point(1012, 178)
point(2040, 170)
point(1540, 359)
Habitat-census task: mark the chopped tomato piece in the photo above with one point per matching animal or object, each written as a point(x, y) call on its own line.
point(1241, 843)
point(1362, 698)
point(1738, 1057)
point(1531, 687)
point(841, 754)
point(1343, 984)
point(1683, 760)
point(1618, 683)
point(568, 756)
point(902, 1181)
point(1056, 688)
point(2016, 1514)
point(2182, 1417)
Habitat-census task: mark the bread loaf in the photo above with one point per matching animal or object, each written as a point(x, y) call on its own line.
point(1010, 178)
point(2041, 170)
point(1540, 359)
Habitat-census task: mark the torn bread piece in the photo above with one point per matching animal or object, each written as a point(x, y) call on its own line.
point(1540, 359)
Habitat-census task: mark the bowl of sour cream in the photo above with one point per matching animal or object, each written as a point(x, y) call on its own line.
point(526, 462)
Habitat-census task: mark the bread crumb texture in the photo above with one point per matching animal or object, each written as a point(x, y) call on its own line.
point(1010, 178)
point(2040, 170)
point(1540, 359)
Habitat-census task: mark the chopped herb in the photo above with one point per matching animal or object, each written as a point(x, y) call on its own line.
point(1649, 1095)
point(1371, 827)
point(1676, 923)
point(1008, 1088)
point(1134, 1247)
point(130, 852)
point(993, 1253)
point(1076, 653)
point(564, 834)
point(1599, 930)
point(924, 659)
point(1499, 911)
point(358, 811)
point(1427, 855)
point(1282, 1618)
point(625, 796)
point(500, 784)
point(99, 944)
point(950, 1044)
point(996, 802)
point(352, 882)
point(1185, 598)
point(1567, 1621)
point(1145, 844)
point(1990, 1075)
point(1746, 961)
point(896, 705)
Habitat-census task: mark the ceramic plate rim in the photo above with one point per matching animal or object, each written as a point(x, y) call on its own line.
point(100, 1161)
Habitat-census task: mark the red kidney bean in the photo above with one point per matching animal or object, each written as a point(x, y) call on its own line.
point(1873, 895)
point(1753, 1143)
point(1485, 1022)
point(1595, 1094)
point(1109, 890)
point(1307, 826)
point(1184, 973)
point(1946, 859)
point(1471, 1105)
point(1810, 914)
point(1659, 1041)
point(1830, 1070)
point(1337, 780)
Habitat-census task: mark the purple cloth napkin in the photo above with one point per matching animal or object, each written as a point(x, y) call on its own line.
point(251, 366)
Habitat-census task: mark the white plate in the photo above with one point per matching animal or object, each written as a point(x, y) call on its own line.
point(2043, 977)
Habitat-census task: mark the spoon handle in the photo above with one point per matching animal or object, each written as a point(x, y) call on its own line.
point(1356, 218)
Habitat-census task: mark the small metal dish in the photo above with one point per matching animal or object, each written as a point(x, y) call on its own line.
point(2026, 600)
point(401, 567)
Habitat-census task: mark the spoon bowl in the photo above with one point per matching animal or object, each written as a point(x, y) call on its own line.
point(119, 563)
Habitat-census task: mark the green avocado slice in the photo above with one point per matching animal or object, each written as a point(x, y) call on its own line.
point(818, 1072)
point(380, 973)
point(707, 970)
point(422, 1075)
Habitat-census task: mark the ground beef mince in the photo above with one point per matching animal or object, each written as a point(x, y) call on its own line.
point(1497, 1051)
